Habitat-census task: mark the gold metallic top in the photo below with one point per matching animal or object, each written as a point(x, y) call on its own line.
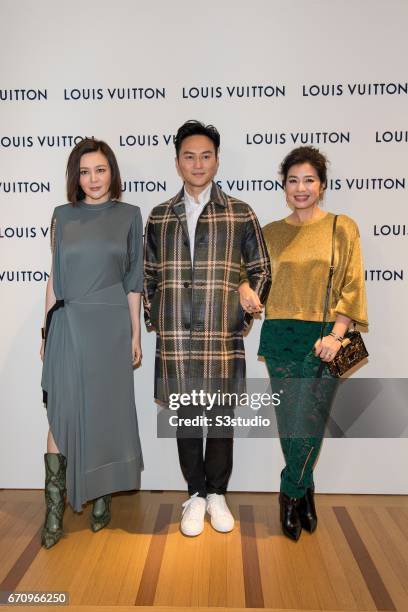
point(300, 255)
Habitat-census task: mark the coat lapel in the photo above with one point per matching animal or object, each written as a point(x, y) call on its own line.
point(179, 208)
point(177, 203)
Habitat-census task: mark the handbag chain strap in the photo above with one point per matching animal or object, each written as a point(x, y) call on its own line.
point(330, 279)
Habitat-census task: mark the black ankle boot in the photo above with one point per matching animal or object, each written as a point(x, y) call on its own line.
point(289, 517)
point(101, 512)
point(307, 511)
point(55, 470)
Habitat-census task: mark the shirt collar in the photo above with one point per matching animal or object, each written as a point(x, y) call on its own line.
point(217, 196)
point(203, 197)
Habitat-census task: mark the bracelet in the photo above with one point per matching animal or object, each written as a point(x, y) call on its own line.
point(336, 336)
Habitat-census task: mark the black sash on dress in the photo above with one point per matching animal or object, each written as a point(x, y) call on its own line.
point(58, 304)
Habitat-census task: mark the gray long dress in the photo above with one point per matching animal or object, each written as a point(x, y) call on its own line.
point(87, 371)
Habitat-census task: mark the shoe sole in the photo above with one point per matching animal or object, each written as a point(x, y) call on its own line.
point(95, 527)
point(222, 530)
point(190, 535)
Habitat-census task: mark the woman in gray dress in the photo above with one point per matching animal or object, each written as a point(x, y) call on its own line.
point(92, 341)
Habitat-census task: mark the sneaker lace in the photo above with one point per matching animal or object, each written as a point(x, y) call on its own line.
point(217, 503)
point(193, 508)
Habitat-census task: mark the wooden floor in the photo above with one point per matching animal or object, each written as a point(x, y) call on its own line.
point(356, 560)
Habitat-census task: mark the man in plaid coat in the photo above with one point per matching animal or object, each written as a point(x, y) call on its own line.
point(196, 244)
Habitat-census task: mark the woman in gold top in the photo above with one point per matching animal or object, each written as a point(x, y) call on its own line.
point(300, 252)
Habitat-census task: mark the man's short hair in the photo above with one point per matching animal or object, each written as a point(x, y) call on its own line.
point(193, 128)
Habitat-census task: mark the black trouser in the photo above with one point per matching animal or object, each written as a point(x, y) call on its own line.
point(209, 472)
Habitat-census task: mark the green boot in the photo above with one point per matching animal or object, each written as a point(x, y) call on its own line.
point(101, 512)
point(55, 468)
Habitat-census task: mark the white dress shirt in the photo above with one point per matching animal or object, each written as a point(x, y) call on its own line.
point(193, 211)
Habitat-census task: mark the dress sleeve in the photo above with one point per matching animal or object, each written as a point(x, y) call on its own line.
point(55, 239)
point(352, 302)
point(53, 228)
point(133, 279)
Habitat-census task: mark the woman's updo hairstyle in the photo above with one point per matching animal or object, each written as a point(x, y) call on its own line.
point(305, 155)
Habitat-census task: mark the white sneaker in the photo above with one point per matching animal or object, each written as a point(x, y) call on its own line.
point(221, 517)
point(192, 522)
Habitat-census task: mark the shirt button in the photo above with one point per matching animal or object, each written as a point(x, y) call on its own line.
point(186, 284)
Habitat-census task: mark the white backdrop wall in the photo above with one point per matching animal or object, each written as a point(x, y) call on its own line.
point(270, 75)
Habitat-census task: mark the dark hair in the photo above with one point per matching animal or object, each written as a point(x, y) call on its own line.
point(305, 155)
point(90, 145)
point(192, 128)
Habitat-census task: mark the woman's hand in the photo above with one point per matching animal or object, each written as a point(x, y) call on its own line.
point(134, 309)
point(249, 299)
point(42, 350)
point(327, 348)
point(136, 351)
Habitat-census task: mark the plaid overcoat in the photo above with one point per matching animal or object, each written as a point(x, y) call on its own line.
point(194, 307)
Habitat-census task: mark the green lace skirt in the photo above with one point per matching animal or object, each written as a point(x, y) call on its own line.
point(306, 390)
point(288, 344)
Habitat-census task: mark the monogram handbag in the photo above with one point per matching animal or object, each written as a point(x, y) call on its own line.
point(352, 349)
